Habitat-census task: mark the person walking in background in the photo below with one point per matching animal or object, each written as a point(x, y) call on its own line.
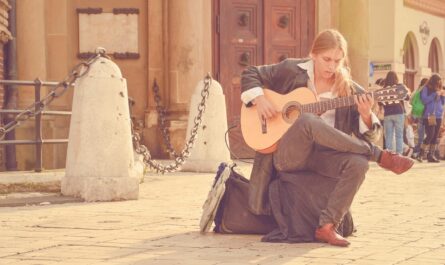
point(394, 118)
point(378, 108)
point(408, 136)
point(440, 150)
point(417, 117)
point(433, 97)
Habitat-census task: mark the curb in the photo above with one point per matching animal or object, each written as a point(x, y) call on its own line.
point(26, 181)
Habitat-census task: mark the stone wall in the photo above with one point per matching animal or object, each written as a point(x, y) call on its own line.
point(5, 36)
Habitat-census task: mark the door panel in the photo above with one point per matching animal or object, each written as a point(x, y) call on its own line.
point(282, 31)
point(241, 34)
point(255, 32)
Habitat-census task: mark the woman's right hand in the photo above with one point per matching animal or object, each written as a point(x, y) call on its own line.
point(264, 107)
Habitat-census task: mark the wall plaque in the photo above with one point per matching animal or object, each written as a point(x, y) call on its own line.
point(117, 32)
point(381, 66)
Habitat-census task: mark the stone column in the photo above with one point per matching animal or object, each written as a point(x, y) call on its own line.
point(156, 70)
point(31, 64)
point(327, 14)
point(424, 72)
point(31, 45)
point(189, 58)
point(187, 48)
point(7, 158)
point(354, 24)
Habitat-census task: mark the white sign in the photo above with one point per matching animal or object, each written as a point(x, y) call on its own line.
point(115, 32)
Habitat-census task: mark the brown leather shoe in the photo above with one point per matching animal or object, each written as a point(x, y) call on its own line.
point(327, 234)
point(395, 162)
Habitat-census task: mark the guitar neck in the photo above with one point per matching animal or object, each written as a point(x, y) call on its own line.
point(322, 106)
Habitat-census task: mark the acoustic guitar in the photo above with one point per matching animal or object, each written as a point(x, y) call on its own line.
point(263, 135)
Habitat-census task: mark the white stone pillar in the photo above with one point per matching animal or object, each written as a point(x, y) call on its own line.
point(100, 160)
point(210, 148)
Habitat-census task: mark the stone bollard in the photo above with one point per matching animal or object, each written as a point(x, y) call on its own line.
point(210, 147)
point(100, 163)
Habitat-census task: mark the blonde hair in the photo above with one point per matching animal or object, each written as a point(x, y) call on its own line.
point(332, 39)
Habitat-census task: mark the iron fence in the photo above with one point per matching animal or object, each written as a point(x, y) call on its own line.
point(38, 139)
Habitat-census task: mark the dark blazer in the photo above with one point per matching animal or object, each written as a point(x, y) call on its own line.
point(283, 78)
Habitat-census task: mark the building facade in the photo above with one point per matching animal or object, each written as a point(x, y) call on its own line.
point(408, 37)
point(178, 42)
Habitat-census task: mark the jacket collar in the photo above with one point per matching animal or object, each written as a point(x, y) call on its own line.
point(308, 66)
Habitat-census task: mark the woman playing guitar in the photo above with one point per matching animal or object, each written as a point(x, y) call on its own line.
point(320, 143)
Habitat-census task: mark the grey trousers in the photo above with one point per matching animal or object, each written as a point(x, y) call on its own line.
point(311, 144)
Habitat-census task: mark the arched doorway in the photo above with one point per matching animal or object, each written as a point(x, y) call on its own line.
point(409, 60)
point(434, 56)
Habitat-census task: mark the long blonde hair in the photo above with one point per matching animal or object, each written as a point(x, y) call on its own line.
point(331, 39)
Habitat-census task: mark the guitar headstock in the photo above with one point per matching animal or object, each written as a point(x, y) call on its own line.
point(391, 94)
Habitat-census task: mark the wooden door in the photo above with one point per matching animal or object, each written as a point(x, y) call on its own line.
point(241, 40)
point(255, 32)
point(289, 29)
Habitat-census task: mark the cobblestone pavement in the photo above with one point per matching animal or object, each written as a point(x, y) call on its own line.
point(400, 220)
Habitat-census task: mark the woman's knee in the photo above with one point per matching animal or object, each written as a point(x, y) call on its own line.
point(360, 164)
point(357, 166)
point(286, 165)
point(305, 120)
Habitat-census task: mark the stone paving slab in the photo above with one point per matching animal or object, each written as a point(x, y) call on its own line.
point(399, 219)
point(35, 198)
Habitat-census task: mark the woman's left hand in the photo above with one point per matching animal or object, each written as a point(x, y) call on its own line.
point(364, 104)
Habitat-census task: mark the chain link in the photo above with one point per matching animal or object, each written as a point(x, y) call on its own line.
point(162, 113)
point(36, 108)
point(185, 153)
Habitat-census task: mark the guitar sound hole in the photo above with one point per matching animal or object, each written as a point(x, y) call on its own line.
point(291, 113)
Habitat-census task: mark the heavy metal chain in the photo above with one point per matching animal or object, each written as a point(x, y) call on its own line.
point(185, 153)
point(36, 108)
point(162, 113)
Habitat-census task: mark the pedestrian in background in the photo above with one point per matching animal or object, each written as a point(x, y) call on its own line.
point(440, 150)
point(378, 108)
point(408, 136)
point(394, 118)
point(417, 117)
point(433, 97)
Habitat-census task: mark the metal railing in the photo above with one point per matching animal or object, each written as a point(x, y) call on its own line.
point(39, 141)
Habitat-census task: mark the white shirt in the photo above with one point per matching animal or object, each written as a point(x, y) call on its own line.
point(328, 116)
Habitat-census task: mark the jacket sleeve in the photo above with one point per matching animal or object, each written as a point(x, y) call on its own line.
point(375, 132)
point(280, 76)
point(258, 76)
point(427, 99)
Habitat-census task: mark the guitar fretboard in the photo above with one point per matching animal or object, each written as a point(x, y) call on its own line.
point(322, 106)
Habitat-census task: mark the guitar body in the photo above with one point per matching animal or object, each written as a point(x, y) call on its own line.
point(264, 138)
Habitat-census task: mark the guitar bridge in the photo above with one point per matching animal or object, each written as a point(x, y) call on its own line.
point(263, 126)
